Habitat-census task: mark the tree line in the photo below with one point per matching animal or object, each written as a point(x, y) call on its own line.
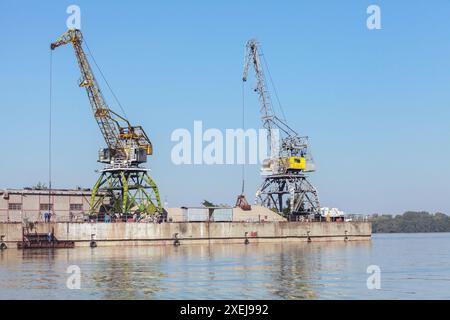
point(410, 222)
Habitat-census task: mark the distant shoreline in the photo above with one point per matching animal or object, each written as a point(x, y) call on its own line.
point(414, 232)
point(411, 222)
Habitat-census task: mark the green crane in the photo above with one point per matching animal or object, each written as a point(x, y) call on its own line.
point(123, 180)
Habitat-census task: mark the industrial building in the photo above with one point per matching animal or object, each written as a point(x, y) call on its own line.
point(31, 204)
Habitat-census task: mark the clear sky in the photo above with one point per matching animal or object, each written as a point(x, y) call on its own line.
point(375, 103)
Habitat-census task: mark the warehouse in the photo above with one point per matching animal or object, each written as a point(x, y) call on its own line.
point(29, 203)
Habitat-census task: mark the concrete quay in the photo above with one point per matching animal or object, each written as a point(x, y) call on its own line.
point(131, 233)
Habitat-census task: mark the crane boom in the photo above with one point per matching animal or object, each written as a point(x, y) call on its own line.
point(252, 57)
point(120, 137)
point(291, 143)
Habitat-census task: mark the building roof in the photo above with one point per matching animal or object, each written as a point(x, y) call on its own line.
point(62, 192)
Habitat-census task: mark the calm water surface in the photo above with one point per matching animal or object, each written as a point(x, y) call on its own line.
point(413, 266)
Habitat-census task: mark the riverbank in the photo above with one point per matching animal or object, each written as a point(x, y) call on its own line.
point(411, 222)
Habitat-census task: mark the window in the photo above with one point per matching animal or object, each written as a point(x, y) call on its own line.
point(46, 207)
point(15, 206)
point(76, 207)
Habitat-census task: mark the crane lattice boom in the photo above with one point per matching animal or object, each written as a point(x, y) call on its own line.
point(121, 138)
point(291, 144)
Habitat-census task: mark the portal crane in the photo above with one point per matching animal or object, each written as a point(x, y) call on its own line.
point(289, 158)
point(127, 184)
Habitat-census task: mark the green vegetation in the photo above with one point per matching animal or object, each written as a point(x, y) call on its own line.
point(40, 186)
point(410, 222)
point(208, 204)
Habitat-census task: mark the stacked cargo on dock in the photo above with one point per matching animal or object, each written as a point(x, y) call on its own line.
point(211, 214)
point(195, 214)
point(222, 215)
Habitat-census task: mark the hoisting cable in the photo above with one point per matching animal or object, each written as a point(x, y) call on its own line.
point(243, 145)
point(50, 209)
point(104, 79)
point(243, 128)
point(273, 84)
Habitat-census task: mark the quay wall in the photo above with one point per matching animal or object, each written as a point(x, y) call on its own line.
point(192, 232)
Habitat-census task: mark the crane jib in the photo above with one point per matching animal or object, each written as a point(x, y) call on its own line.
point(122, 139)
point(291, 144)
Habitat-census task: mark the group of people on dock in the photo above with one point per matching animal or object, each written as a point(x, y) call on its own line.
point(47, 217)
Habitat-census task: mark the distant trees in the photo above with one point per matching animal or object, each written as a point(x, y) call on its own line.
point(40, 186)
point(410, 222)
point(208, 204)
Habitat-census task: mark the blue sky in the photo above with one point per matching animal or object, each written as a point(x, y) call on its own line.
point(375, 103)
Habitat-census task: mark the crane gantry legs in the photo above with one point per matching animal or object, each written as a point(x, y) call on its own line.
point(129, 190)
point(290, 194)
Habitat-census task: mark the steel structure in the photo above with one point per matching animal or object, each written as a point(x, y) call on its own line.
point(285, 187)
point(127, 183)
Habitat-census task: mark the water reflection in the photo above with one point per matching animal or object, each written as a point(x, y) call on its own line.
point(220, 271)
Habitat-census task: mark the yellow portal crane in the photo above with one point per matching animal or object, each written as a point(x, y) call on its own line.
point(127, 184)
point(289, 160)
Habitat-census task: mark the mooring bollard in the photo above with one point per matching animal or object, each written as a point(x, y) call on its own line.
point(3, 245)
point(308, 236)
point(346, 237)
point(93, 244)
point(176, 242)
point(246, 241)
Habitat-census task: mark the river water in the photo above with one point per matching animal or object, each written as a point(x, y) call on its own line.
point(412, 266)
